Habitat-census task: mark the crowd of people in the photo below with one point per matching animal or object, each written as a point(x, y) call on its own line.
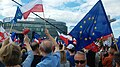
point(49, 54)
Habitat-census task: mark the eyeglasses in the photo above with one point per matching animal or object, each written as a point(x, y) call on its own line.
point(80, 61)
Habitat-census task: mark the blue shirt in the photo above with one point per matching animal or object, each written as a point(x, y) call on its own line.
point(67, 54)
point(51, 60)
point(71, 60)
point(28, 60)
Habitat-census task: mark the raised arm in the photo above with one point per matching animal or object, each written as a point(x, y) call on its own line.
point(30, 57)
point(52, 39)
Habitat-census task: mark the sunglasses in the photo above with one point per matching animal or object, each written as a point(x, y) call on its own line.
point(80, 61)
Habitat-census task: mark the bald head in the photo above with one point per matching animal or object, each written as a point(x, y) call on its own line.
point(46, 45)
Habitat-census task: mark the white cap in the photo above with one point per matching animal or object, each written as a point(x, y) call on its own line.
point(70, 46)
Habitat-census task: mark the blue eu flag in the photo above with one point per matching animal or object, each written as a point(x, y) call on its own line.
point(18, 15)
point(118, 43)
point(36, 35)
point(94, 25)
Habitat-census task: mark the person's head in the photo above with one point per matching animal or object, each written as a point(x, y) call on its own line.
point(112, 49)
point(10, 54)
point(34, 46)
point(63, 57)
point(46, 47)
point(80, 59)
point(117, 59)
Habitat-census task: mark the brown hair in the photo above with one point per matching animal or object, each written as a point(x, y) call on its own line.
point(34, 46)
point(10, 54)
point(63, 57)
point(117, 58)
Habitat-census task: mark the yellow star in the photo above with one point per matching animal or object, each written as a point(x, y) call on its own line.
point(85, 38)
point(92, 18)
point(80, 32)
point(89, 18)
point(84, 21)
point(80, 26)
point(95, 28)
point(94, 22)
point(93, 33)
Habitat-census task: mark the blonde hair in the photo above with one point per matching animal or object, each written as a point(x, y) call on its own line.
point(10, 54)
point(63, 57)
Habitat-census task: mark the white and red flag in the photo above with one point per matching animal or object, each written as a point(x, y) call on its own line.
point(3, 34)
point(33, 6)
point(67, 38)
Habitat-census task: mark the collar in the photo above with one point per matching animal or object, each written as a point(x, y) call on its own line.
point(47, 56)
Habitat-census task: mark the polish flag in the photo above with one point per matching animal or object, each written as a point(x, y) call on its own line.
point(37, 40)
point(3, 34)
point(33, 6)
point(66, 38)
point(92, 47)
point(63, 37)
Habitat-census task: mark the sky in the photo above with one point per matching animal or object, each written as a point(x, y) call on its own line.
point(69, 11)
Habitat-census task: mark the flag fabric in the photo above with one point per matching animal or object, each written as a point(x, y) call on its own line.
point(108, 41)
point(118, 43)
point(1, 37)
point(37, 38)
point(33, 6)
point(57, 41)
point(26, 31)
point(3, 34)
point(18, 15)
point(105, 37)
point(64, 38)
point(67, 39)
point(93, 47)
point(13, 36)
point(17, 40)
point(94, 25)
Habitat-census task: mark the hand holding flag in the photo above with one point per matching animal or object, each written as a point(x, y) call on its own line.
point(26, 31)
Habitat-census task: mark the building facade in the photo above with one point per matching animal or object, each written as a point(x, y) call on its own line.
point(38, 25)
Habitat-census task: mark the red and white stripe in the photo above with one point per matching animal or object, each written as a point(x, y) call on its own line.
point(3, 34)
point(33, 6)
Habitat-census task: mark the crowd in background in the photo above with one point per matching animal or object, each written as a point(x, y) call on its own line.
point(49, 54)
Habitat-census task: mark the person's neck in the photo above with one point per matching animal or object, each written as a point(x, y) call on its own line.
point(72, 54)
point(44, 54)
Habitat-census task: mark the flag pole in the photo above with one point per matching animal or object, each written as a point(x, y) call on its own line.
point(109, 25)
point(41, 18)
point(44, 15)
point(115, 43)
point(11, 28)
